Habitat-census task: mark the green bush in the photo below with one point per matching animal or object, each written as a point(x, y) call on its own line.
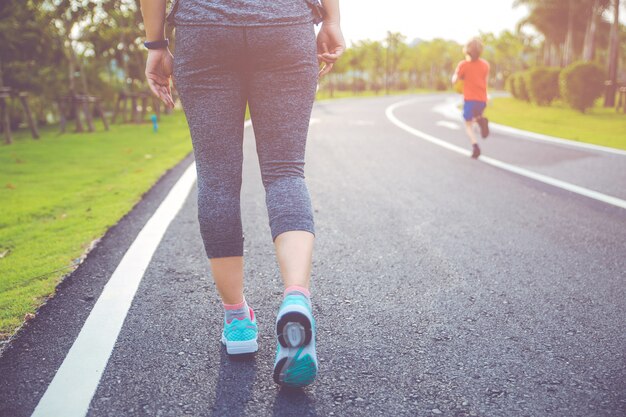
point(581, 84)
point(543, 85)
point(522, 86)
point(441, 85)
point(509, 85)
point(519, 86)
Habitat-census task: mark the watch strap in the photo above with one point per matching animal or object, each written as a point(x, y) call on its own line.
point(162, 44)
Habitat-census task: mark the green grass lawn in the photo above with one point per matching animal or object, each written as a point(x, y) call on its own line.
point(61, 192)
point(600, 126)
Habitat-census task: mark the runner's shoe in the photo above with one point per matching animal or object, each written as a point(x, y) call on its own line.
point(296, 360)
point(240, 335)
point(475, 151)
point(483, 122)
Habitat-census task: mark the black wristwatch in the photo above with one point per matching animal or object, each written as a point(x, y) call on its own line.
point(157, 44)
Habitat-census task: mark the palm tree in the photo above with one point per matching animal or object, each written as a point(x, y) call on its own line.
point(564, 37)
point(609, 99)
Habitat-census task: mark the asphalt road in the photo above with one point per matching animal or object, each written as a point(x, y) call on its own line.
point(442, 286)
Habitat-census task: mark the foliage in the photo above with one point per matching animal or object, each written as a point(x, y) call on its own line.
point(570, 29)
point(521, 85)
point(52, 48)
point(543, 84)
point(581, 84)
point(393, 64)
point(510, 85)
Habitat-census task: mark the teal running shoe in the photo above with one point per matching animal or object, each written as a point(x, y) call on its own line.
point(240, 336)
point(296, 361)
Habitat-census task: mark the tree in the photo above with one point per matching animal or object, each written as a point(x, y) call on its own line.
point(395, 49)
point(30, 56)
point(609, 100)
point(564, 39)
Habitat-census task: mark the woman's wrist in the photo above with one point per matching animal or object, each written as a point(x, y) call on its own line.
point(159, 51)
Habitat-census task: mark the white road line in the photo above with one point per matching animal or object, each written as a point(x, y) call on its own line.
point(502, 165)
point(449, 125)
point(75, 383)
point(77, 379)
point(559, 141)
point(451, 110)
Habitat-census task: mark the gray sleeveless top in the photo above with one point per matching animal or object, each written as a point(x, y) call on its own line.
point(244, 12)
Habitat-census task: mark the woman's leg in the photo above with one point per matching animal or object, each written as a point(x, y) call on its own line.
point(209, 71)
point(294, 251)
point(228, 277)
point(283, 80)
point(209, 78)
point(281, 94)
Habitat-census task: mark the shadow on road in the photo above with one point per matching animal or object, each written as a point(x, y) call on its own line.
point(235, 384)
point(293, 402)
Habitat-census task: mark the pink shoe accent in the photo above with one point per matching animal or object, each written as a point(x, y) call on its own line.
point(234, 306)
point(251, 314)
point(303, 290)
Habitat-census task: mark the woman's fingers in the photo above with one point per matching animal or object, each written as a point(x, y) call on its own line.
point(328, 66)
point(327, 56)
point(167, 96)
point(161, 92)
point(154, 87)
point(330, 57)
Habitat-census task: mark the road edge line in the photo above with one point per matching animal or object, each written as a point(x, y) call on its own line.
point(595, 195)
point(450, 106)
point(525, 134)
point(75, 382)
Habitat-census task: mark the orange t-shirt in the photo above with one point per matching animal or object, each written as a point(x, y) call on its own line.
point(474, 75)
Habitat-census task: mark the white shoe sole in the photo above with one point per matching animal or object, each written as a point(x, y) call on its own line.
point(240, 347)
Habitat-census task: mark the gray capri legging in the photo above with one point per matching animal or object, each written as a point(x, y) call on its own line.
point(217, 70)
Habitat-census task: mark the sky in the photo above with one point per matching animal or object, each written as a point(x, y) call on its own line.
point(457, 20)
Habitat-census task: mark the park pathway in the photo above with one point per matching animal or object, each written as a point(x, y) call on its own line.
point(442, 286)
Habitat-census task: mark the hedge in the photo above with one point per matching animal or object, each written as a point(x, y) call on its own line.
point(521, 85)
point(543, 85)
point(581, 84)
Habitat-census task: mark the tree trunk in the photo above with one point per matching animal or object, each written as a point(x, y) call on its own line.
point(29, 116)
point(124, 62)
point(568, 50)
point(609, 99)
point(71, 70)
point(1, 75)
point(546, 53)
point(555, 60)
point(6, 120)
point(83, 78)
point(590, 35)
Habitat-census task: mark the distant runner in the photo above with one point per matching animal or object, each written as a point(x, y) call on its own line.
point(474, 72)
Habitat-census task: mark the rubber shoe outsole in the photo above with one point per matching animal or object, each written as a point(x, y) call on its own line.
point(296, 361)
point(244, 347)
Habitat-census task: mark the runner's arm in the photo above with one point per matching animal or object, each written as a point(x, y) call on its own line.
point(456, 75)
point(160, 61)
point(153, 12)
point(330, 41)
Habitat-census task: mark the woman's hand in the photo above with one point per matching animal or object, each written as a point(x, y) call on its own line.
point(159, 68)
point(330, 46)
